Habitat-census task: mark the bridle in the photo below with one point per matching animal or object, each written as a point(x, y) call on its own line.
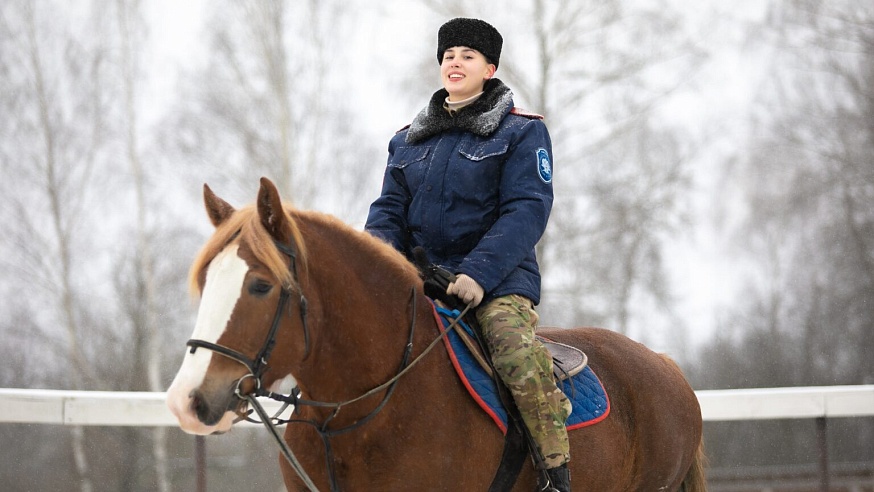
point(258, 365)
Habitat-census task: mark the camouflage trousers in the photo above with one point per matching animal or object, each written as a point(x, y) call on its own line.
point(525, 366)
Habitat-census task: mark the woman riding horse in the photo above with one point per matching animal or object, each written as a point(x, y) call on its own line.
point(290, 295)
point(470, 181)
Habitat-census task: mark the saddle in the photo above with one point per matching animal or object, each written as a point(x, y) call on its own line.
point(567, 361)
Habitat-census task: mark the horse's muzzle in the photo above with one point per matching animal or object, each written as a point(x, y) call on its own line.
point(210, 411)
point(202, 412)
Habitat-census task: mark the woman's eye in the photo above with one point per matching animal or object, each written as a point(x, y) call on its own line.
point(259, 288)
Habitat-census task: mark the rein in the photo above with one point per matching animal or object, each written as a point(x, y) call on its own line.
point(321, 429)
point(257, 366)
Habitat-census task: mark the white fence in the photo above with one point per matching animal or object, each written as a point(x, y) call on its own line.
point(113, 408)
point(118, 408)
point(787, 403)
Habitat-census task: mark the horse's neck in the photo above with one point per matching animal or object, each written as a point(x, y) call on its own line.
point(362, 313)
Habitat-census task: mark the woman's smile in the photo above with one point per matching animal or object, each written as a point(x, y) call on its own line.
point(464, 71)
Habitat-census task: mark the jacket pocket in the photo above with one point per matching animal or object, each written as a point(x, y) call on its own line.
point(476, 171)
point(405, 156)
point(479, 150)
point(409, 165)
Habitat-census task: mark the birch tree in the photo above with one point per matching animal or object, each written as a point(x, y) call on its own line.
point(148, 351)
point(272, 100)
point(53, 133)
point(809, 183)
point(804, 317)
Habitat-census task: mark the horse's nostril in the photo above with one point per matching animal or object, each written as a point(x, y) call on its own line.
point(200, 408)
point(209, 411)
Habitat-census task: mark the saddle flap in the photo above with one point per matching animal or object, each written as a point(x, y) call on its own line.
point(567, 361)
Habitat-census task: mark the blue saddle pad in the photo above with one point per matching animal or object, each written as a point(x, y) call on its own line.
point(585, 391)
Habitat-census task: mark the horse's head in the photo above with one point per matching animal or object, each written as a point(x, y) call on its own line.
point(246, 276)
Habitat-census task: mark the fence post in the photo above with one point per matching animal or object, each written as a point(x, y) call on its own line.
point(200, 463)
point(822, 441)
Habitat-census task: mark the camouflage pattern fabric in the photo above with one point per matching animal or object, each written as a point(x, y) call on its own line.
point(525, 366)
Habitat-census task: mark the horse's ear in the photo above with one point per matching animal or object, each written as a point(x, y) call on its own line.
point(217, 209)
point(270, 211)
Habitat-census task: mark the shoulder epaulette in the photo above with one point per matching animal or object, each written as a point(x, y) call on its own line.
point(527, 114)
point(402, 129)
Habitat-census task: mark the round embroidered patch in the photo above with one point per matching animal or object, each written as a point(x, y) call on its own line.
point(544, 168)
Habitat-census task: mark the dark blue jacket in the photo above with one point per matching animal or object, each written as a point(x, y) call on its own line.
point(473, 189)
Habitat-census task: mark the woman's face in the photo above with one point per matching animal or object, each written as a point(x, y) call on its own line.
point(464, 71)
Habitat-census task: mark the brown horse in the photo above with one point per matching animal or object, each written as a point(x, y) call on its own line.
point(342, 307)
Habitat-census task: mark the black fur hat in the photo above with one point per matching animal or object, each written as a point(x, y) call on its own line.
point(473, 33)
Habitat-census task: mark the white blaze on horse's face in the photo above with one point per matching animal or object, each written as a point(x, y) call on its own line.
point(224, 283)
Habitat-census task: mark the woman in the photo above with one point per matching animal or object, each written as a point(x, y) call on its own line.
point(470, 180)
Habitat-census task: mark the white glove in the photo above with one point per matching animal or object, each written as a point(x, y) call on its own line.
point(467, 290)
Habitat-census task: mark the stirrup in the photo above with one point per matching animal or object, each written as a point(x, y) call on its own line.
point(556, 479)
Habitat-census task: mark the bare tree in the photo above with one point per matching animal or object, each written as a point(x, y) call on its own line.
point(271, 101)
point(149, 349)
point(50, 152)
point(811, 182)
point(805, 315)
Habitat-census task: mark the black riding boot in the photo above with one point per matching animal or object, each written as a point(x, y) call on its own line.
point(559, 480)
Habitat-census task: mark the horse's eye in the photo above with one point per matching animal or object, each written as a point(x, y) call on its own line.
point(259, 288)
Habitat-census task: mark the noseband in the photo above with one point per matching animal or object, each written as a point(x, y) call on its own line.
point(258, 365)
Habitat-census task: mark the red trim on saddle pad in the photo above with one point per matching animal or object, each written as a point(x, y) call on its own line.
point(585, 390)
point(460, 372)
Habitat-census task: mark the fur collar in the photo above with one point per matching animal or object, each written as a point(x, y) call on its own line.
point(481, 118)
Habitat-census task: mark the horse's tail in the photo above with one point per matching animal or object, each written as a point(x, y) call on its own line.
point(695, 480)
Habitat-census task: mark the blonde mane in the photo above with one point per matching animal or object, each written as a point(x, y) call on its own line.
point(245, 225)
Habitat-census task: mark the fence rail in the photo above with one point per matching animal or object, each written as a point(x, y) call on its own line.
point(120, 408)
point(110, 408)
point(124, 408)
point(787, 403)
